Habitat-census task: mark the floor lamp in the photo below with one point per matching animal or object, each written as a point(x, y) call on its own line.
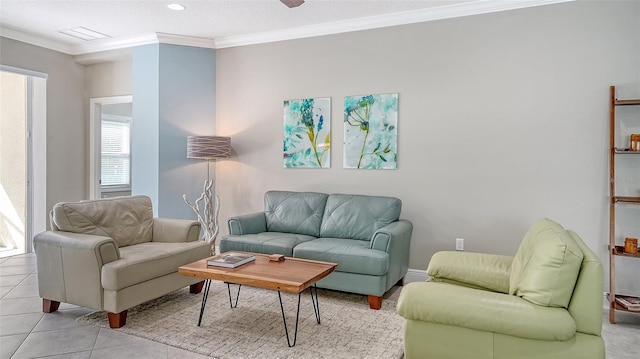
point(207, 148)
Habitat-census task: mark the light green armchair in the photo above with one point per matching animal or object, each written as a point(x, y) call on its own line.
point(546, 302)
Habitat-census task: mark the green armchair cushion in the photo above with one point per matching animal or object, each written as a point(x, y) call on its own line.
point(484, 311)
point(475, 270)
point(546, 266)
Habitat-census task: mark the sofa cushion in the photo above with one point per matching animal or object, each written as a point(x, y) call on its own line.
point(294, 212)
point(351, 255)
point(147, 261)
point(128, 220)
point(266, 242)
point(358, 216)
point(546, 266)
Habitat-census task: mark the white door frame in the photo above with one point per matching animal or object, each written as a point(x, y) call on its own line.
point(95, 124)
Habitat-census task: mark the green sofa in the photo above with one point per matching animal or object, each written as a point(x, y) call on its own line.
point(546, 302)
point(363, 234)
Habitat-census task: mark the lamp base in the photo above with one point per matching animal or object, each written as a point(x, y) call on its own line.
point(209, 217)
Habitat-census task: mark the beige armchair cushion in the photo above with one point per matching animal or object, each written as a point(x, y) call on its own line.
point(128, 220)
point(147, 261)
point(546, 266)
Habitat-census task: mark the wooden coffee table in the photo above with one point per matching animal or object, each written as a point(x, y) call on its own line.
point(293, 275)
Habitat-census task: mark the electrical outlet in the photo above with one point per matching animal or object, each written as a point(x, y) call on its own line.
point(459, 244)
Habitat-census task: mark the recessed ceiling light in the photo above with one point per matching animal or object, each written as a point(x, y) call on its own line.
point(177, 7)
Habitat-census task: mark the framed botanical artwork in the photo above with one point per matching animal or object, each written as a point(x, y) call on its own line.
point(371, 131)
point(307, 133)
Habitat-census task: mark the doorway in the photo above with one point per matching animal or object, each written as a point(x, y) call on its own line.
point(110, 148)
point(22, 158)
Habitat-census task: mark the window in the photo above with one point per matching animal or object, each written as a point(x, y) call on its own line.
point(115, 158)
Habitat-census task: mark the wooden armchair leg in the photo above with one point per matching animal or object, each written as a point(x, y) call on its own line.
point(117, 320)
point(49, 306)
point(196, 288)
point(375, 302)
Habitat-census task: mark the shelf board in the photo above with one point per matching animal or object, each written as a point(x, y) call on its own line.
point(625, 151)
point(625, 199)
point(619, 251)
point(623, 309)
point(619, 307)
point(626, 102)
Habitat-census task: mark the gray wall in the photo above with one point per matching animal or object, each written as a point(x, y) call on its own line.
point(67, 154)
point(503, 120)
point(109, 78)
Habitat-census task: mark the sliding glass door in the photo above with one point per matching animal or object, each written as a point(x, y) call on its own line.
point(22, 158)
point(13, 163)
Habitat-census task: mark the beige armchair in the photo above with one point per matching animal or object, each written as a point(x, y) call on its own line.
point(111, 254)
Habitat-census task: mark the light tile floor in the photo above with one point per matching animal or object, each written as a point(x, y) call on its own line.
point(26, 332)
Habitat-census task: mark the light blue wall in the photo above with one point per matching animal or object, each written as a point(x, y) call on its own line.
point(144, 127)
point(184, 93)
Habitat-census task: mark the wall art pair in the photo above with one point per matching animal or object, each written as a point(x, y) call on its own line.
point(370, 132)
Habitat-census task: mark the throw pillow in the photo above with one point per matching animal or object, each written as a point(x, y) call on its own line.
point(546, 266)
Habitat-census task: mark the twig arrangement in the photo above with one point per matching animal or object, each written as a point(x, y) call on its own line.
point(209, 217)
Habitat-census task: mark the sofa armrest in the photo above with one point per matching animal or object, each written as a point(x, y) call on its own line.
point(397, 231)
point(248, 224)
point(486, 271)
point(395, 239)
point(484, 311)
point(70, 265)
point(175, 230)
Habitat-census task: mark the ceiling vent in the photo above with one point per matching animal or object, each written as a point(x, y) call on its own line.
point(83, 33)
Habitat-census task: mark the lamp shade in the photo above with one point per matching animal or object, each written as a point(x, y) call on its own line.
point(208, 147)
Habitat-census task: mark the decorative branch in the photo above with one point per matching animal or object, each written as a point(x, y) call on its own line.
point(209, 217)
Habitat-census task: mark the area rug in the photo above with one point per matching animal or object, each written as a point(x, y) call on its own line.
point(254, 329)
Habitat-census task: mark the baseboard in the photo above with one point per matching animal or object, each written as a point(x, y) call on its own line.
point(415, 275)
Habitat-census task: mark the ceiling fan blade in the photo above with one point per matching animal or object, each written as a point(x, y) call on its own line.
point(292, 3)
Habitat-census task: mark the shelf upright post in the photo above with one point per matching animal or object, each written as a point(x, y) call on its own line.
point(612, 205)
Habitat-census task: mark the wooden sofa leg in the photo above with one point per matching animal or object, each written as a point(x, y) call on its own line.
point(117, 320)
point(375, 302)
point(49, 306)
point(196, 288)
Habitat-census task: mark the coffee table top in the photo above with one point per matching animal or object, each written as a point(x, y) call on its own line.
point(291, 275)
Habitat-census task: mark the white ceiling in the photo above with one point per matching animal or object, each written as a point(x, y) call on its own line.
point(218, 23)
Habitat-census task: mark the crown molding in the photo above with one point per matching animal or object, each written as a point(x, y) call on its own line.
point(113, 50)
point(380, 21)
point(104, 56)
point(186, 40)
point(109, 44)
point(83, 51)
point(35, 40)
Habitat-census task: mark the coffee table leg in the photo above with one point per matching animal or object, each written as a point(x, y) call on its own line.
point(284, 320)
point(316, 305)
point(207, 285)
point(237, 295)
